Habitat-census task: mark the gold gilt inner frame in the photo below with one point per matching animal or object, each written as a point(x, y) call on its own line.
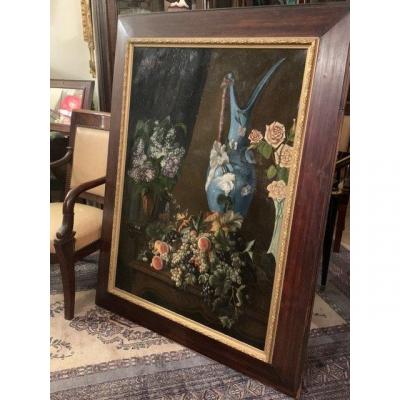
point(311, 45)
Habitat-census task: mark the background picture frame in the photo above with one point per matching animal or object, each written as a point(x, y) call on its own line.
point(65, 95)
point(328, 25)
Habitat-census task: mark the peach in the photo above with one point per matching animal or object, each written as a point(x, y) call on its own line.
point(157, 263)
point(163, 248)
point(204, 243)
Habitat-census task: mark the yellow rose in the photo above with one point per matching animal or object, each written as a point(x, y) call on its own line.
point(255, 136)
point(277, 190)
point(275, 134)
point(284, 156)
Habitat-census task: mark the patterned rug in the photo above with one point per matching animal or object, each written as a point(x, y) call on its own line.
point(339, 270)
point(99, 355)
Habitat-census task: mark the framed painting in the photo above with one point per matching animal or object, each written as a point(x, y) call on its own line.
point(66, 96)
point(223, 141)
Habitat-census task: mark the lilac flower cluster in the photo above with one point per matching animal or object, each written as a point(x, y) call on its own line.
point(170, 166)
point(161, 153)
point(141, 168)
point(171, 162)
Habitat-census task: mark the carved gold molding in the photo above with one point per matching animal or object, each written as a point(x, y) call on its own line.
point(284, 235)
point(311, 44)
point(87, 27)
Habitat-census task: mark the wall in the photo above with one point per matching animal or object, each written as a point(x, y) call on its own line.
point(69, 53)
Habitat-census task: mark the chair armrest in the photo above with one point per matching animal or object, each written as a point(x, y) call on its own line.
point(64, 160)
point(343, 162)
point(67, 225)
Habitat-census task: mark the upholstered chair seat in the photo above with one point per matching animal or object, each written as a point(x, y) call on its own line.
point(87, 224)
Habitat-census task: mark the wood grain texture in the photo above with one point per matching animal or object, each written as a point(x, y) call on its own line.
point(331, 25)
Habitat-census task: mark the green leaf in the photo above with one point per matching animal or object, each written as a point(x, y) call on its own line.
point(267, 264)
point(182, 126)
point(145, 127)
point(283, 174)
point(213, 281)
point(271, 171)
point(139, 125)
point(227, 286)
point(190, 279)
point(292, 132)
point(264, 149)
point(220, 273)
point(226, 322)
point(249, 246)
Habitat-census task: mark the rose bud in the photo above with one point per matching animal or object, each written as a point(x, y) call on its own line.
point(157, 263)
point(204, 244)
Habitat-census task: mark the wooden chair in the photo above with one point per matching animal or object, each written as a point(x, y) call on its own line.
point(336, 213)
point(75, 226)
point(339, 198)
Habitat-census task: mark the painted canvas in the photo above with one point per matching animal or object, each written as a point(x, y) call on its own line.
point(207, 174)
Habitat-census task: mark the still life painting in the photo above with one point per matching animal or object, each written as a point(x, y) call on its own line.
point(207, 175)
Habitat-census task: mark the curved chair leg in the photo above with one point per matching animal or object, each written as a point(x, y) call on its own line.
point(65, 255)
point(340, 225)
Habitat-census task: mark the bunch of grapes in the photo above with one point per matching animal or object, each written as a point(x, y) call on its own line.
point(171, 237)
point(191, 269)
point(207, 292)
point(223, 256)
point(203, 265)
point(176, 276)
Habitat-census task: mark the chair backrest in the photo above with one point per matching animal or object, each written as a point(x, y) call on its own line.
point(344, 138)
point(89, 142)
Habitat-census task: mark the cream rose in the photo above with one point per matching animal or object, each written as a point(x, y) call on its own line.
point(284, 156)
point(277, 190)
point(255, 136)
point(275, 134)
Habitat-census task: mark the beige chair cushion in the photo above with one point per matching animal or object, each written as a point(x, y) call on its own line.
point(344, 140)
point(90, 157)
point(87, 224)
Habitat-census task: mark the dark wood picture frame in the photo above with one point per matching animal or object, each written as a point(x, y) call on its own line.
point(86, 86)
point(330, 24)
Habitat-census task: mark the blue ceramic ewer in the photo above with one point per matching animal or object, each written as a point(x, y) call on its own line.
point(231, 173)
